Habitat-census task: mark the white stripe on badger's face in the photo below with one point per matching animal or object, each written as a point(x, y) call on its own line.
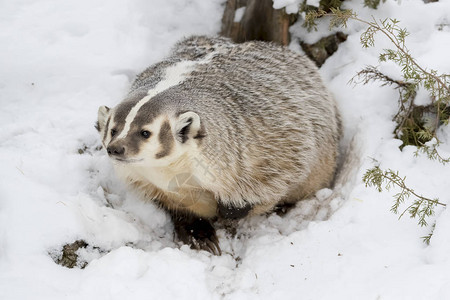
point(173, 76)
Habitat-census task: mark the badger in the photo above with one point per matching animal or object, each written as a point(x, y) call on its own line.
point(219, 130)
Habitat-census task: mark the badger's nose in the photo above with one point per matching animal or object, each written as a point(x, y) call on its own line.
point(116, 150)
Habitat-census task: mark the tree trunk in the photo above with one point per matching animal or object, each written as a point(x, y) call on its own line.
point(259, 21)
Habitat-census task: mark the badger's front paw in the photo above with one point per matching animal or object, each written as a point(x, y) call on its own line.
point(198, 233)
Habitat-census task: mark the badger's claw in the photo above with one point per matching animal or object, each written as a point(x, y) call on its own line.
point(208, 245)
point(198, 233)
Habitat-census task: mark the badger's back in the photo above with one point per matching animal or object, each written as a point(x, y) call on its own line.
point(271, 128)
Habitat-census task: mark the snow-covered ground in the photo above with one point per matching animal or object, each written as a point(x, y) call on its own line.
point(60, 60)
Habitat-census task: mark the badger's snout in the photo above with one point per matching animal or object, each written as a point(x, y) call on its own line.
point(116, 150)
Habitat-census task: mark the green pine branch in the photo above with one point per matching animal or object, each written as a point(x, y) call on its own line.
point(421, 207)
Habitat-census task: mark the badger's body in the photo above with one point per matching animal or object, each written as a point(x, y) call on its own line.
point(223, 129)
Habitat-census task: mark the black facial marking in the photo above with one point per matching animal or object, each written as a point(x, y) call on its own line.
point(123, 109)
point(166, 140)
point(149, 111)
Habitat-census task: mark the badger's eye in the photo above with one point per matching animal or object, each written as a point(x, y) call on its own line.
point(145, 134)
point(113, 132)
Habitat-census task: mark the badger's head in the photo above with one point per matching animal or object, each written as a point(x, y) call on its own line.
point(139, 132)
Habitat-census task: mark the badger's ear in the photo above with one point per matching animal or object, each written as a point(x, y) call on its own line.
point(187, 126)
point(103, 114)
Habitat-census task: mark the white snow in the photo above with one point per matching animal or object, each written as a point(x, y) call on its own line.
point(238, 14)
point(61, 60)
point(315, 3)
point(291, 6)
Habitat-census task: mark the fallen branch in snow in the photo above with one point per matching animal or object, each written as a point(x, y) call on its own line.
point(421, 208)
point(430, 149)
